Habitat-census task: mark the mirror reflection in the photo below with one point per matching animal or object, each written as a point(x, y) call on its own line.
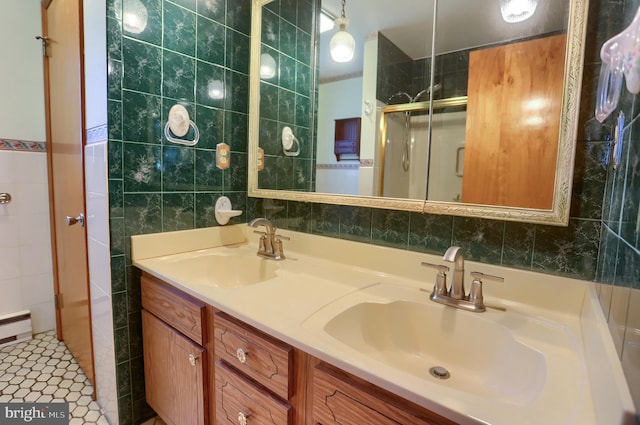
point(454, 102)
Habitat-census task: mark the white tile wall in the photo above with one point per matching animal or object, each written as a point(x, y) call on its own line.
point(26, 277)
point(100, 278)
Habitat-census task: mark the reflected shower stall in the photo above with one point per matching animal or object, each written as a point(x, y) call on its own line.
point(419, 165)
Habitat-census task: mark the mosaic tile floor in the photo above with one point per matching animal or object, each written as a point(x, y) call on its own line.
point(43, 370)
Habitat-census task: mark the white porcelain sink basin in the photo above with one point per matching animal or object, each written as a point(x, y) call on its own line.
point(225, 268)
point(496, 355)
point(481, 356)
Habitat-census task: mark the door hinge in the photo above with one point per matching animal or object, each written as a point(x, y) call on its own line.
point(57, 299)
point(44, 40)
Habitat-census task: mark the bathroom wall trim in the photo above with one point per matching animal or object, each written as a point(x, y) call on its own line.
point(22, 145)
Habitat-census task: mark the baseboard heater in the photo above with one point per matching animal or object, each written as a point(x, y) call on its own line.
point(15, 328)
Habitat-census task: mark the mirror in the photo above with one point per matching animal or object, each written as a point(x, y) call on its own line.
point(408, 111)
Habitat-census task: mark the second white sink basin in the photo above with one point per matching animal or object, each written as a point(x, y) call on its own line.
point(481, 356)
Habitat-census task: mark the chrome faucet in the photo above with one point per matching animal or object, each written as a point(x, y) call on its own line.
point(270, 244)
point(456, 296)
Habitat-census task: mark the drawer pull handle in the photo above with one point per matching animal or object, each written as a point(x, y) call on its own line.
point(241, 355)
point(192, 359)
point(242, 418)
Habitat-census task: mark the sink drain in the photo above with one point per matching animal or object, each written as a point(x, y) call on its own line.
point(439, 372)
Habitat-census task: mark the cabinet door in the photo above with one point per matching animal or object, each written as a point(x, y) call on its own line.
point(174, 373)
point(342, 399)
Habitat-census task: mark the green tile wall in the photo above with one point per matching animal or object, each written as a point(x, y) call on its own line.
point(156, 186)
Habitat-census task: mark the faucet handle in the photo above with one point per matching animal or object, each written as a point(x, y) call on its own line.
point(475, 294)
point(280, 237)
point(440, 287)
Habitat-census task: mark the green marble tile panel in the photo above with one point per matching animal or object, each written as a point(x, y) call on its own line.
point(134, 294)
point(628, 267)
point(299, 217)
point(121, 344)
point(178, 168)
point(178, 211)
point(142, 64)
point(142, 167)
point(287, 72)
point(210, 85)
point(116, 192)
point(141, 410)
point(607, 256)
point(114, 117)
point(119, 305)
point(118, 274)
point(304, 77)
point(268, 176)
point(630, 220)
point(178, 77)
point(135, 333)
point(212, 9)
point(237, 92)
point(270, 29)
point(325, 220)
point(123, 377)
point(286, 106)
point(114, 79)
point(132, 27)
point(238, 44)
point(125, 410)
point(430, 233)
point(239, 16)
point(114, 153)
point(306, 148)
point(268, 101)
point(141, 117)
point(589, 179)
point(269, 137)
point(287, 38)
point(179, 29)
point(208, 176)
point(284, 167)
point(480, 239)
point(116, 236)
point(235, 178)
point(114, 8)
point(114, 39)
point(303, 111)
point(303, 47)
point(355, 223)
point(305, 19)
point(210, 122)
point(205, 209)
point(137, 376)
point(568, 251)
point(517, 250)
point(235, 129)
point(142, 213)
point(211, 41)
point(289, 10)
point(301, 174)
point(390, 228)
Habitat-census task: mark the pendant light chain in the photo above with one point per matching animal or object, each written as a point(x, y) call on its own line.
point(342, 15)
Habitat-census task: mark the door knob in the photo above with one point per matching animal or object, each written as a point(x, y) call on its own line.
point(73, 220)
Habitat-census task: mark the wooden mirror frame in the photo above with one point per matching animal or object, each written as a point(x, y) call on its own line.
point(558, 214)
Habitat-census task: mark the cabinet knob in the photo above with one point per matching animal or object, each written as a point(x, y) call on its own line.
point(192, 359)
point(241, 355)
point(242, 418)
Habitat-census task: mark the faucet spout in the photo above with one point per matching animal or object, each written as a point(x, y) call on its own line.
point(261, 221)
point(454, 255)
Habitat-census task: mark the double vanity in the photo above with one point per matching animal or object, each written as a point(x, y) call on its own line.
point(340, 332)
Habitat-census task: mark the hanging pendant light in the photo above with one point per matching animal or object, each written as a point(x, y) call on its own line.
point(517, 10)
point(342, 44)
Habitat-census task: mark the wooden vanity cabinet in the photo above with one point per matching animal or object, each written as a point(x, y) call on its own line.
point(343, 399)
point(175, 358)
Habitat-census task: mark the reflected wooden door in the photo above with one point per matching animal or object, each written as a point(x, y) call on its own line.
point(65, 128)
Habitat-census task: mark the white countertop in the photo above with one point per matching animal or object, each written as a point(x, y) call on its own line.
point(321, 273)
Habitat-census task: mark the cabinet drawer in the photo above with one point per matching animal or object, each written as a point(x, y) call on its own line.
point(265, 359)
point(177, 309)
point(343, 399)
point(237, 398)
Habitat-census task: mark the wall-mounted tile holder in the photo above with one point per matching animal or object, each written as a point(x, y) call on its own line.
point(289, 140)
point(178, 124)
point(223, 211)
